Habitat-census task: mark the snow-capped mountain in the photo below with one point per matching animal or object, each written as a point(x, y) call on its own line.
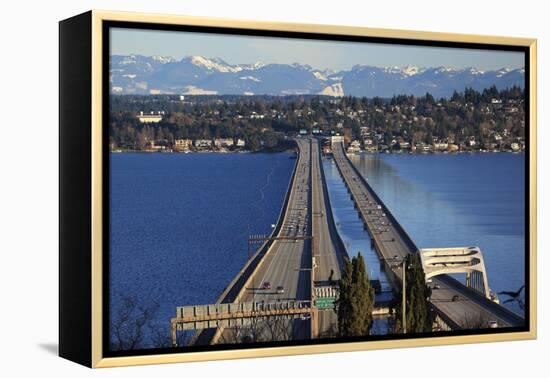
point(137, 74)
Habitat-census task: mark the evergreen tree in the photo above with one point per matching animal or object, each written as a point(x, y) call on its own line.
point(356, 301)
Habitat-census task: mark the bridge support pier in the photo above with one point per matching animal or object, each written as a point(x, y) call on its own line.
point(314, 323)
point(174, 329)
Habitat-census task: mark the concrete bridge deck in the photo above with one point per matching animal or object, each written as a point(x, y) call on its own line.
point(392, 244)
point(284, 262)
point(288, 262)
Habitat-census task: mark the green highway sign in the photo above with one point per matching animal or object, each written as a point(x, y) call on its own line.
point(323, 303)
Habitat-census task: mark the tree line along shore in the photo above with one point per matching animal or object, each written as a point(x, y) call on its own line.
point(490, 120)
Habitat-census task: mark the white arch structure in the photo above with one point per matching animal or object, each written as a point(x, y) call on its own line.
point(469, 260)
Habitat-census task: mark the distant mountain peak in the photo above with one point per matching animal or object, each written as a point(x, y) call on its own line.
point(197, 74)
point(405, 71)
point(163, 59)
point(213, 64)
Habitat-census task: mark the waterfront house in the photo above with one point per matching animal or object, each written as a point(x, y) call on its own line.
point(440, 146)
point(223, 142)
point(182, 144)
point(404, 145)
point(422, 147)
point(354, 147)
point(203, 143)
point(240, 143)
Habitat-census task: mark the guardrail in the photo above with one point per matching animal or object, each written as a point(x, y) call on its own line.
point(511, 317)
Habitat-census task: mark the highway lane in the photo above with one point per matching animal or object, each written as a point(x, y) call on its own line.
point(288, 262)
point(469, 310)
point(328, 255)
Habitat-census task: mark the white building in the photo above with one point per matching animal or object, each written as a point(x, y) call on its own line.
point(203, 143)
point(440, 146)
point(255, 115)
point(223, 142)
point(150, 118)
point(240, 143)
point(354, 147)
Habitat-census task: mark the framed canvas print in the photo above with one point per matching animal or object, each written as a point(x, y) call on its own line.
point(235, 189)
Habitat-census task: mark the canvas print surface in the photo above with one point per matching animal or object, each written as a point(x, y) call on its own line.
point(268, 190)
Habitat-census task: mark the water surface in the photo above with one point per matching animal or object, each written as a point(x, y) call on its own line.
point(450, 200)
point(180, 222)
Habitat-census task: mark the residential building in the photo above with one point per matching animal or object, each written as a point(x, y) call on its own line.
point(182, 144)
point(150, 118)
point(223, 142)
point(203, 143)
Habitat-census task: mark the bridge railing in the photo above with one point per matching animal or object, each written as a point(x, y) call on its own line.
point(222, 315)
point(213, 310)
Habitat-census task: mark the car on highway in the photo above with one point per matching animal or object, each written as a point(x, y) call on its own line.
point(493, 324)
point(436, 287)
point(266, 285)
point(455, 298)
point(280, 290)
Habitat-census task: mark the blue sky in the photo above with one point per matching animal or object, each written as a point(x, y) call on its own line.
point(318, 54)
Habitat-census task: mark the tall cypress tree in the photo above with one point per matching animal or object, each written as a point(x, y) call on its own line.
point(356, 301)
point(343, 303)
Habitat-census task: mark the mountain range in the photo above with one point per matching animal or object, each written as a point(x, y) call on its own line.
point(196, 75)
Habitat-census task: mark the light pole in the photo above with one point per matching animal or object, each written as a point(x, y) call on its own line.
point(404, 295)
point(403, 289)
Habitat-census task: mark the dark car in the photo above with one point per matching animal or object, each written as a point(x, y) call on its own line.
point(266, 286)
point(455, 298)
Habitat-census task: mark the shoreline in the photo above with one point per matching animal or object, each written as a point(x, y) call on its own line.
point(198, 152)
point(291, 151)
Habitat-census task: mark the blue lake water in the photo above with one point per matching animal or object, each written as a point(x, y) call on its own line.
point(448, 200)
point(180, 222)
point(349, 225)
